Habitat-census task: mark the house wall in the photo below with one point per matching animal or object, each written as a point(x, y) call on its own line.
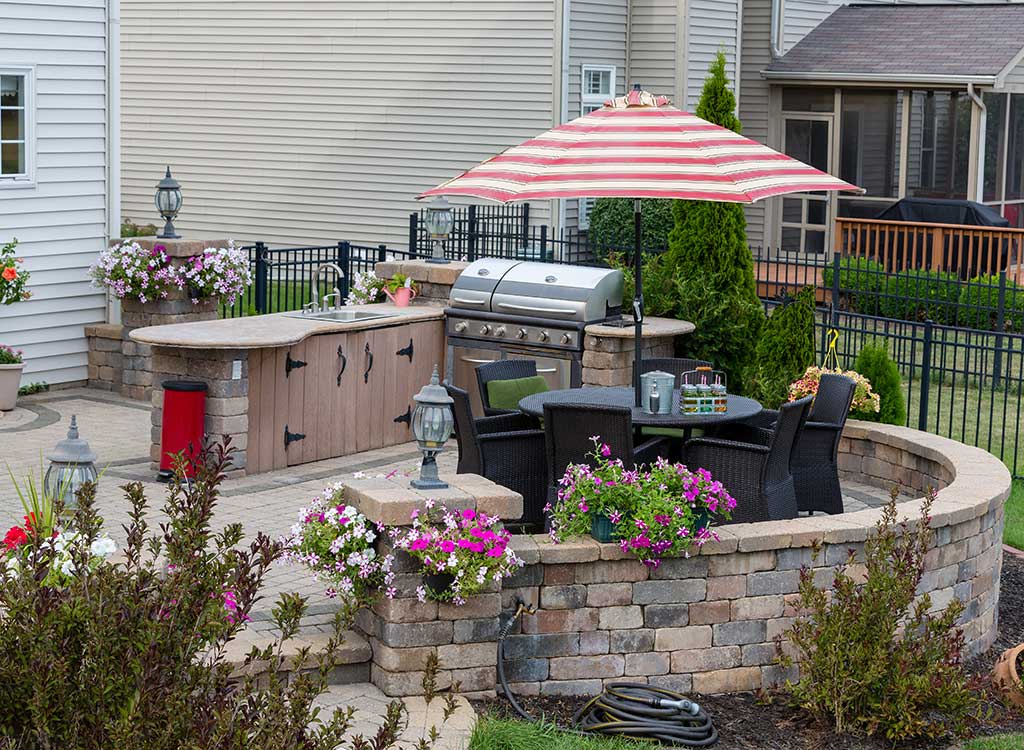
point(61, 219)
point(313, 122)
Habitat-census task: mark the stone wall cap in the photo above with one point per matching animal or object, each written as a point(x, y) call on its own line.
point(653, 328)
point(104, 330)
point(422, 271)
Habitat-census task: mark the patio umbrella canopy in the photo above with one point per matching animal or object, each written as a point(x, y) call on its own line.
point(639, 146)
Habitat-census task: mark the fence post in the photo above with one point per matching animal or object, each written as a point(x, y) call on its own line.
point(414, 232)
point(926, 377)
point(345, 264)
point(835, 287)
point(543, 240)
point(997, 363)
point(261, 278)
point(524, 228)
point(471, 244)
point(382, 253)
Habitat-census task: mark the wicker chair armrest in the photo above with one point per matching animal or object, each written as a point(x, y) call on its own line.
point(522, 447)
point(493, 411)
point(512, 422)
point(743, 433)
point(822, 426)
point(649, 451)
point(725, 445)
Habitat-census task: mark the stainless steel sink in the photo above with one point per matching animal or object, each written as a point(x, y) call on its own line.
point(343, 316)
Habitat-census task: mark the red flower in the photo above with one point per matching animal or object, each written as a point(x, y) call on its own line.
point(30, 521)
point(10, 273)
point(15, 537)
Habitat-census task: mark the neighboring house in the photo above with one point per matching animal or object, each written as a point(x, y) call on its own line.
point(59, 181)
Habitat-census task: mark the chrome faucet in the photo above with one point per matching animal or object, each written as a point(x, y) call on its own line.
point(319, 304)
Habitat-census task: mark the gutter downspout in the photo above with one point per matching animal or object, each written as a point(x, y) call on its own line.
point(777, 28)
point(113, 135)
point(979, 177)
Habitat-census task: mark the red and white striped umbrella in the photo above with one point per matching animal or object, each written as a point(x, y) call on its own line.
point(639, 146)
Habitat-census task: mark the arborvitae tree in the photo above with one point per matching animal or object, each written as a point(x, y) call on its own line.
point(711, 262)
point(786, 349)
point(874, 363)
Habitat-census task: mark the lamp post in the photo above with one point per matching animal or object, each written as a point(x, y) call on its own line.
point(72, 464)
point(168, 203)
point(432, 424)
point(440, 222)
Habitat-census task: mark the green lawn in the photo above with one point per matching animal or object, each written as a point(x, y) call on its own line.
point(1000, 742)
point(504, 734)
point(1013, 532)
point(281, 297)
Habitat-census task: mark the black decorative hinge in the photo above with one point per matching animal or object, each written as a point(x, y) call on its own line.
point(292, 364)
point(407, 417)
point(406, 351)
point(344, 364)
point(291, 437)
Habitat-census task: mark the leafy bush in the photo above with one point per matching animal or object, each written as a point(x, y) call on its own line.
point(979, 303)
point(10, 355)
point(785, 349)
point(860, 280)
point(132, 654)
point(920, 295)
point(13, 279)
point(875, 364)
point(873, 659)
point(130, 229)
point(611, 223)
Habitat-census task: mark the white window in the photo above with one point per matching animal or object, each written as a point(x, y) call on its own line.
point(15, 126)
point(597, 86)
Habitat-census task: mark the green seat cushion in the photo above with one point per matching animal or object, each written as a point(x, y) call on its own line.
point(506, 394)
point(670, 432)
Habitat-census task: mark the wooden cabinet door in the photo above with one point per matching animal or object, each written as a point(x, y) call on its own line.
point(294, 376)
point(415, 349)
point(343, 378)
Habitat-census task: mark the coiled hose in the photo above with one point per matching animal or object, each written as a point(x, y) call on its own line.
point(626, 709)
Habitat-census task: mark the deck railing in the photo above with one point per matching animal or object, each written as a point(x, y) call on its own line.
point(967, 251)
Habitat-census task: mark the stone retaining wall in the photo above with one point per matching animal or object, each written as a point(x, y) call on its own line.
point(707, 623)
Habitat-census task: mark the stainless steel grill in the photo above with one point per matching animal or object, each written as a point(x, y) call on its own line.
point(519, 309)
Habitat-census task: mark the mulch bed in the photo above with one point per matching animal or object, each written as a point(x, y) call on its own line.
point(744, 723)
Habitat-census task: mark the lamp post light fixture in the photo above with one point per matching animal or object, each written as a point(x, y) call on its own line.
point(72, 464)
point(440, 222)
point(432, 424)
point(168, 203)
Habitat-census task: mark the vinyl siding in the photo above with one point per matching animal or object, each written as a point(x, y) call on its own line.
point(652, 41)
point(712, 26)
point(60, 222)
point(597, 36)
point(756, 55)
point(1015, 79)
point(318, 120)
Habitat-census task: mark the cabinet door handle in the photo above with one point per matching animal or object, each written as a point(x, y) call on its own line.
point(369, 363)
point(344, 363)
point(406, 351)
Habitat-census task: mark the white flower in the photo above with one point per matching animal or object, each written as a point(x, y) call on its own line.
point(103, 547)
point(67, 567)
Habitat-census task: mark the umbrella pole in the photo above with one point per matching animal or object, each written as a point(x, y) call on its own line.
point(638, 300)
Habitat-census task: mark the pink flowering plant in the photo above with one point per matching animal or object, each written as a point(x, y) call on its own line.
point(13, 279)
point(221, 273)
point(864, 398)
point(470, 547)
point(336, 542)
point(129, 270)
point(659, 511)
point(366, 287)
point(11, 356)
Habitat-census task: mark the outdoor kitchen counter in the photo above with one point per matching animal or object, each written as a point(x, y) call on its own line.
point(276, 330)
point(653, 328)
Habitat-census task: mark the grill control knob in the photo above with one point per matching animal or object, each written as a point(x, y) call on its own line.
point(485, 329)
point(521, 333)
point(499, 331)
point(543, 336)
point(566, 338)
point(461, 326)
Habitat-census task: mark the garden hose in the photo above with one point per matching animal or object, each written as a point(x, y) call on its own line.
point(626, 709)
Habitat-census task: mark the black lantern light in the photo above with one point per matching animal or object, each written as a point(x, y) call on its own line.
point(72, 464)
point(440, 222)
point(168, 203)
point(432, 424)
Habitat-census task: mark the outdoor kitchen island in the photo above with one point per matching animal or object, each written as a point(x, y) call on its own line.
point(290, 390)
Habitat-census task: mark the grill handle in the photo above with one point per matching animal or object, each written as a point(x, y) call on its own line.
point(539, 310)
point(465, 301)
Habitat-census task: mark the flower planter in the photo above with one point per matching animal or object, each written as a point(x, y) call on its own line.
point(1006, 676)
point(438, 584)
point(10, 380)
point(602, 529)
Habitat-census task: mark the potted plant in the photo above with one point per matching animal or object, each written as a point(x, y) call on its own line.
point(400, 289)
point(459, 552)
point(653, 512)
point(366, 288)
point(11, 365)
point(1008, 675)
point(219, 273)
point(131, 272)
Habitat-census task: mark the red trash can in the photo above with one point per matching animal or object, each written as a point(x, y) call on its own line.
point(183, 424)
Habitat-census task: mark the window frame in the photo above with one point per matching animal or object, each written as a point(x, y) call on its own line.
point(588, 103)
point(26, 179)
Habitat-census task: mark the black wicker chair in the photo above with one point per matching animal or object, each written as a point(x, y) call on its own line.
point(502, 369)
point(507, 449)
point(674, 365)
point(756, 474)
point(569, 427)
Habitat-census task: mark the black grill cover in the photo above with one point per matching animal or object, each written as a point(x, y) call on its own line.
point(943, 211)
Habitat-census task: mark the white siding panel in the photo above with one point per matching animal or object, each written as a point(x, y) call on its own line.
point(713, 25)
point(756, 55)
point(315, 120)
point(652, 40)
point(60, 221)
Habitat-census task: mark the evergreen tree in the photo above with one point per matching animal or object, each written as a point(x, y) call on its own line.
point(711, 264)
point(785, 349)
point(874, 363)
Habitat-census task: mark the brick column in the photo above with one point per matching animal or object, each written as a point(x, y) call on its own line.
point(434, 280)
point(608, 351)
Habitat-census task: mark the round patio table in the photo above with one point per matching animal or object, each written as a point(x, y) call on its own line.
point(739, 407)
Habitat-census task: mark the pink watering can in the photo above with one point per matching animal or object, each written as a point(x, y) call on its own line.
point(402, 296)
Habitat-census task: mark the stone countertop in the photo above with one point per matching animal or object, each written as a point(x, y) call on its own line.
point(653, 328)
point(278, 329)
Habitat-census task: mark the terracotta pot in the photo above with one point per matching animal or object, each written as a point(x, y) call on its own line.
point(10, 380)
point(1005, 677)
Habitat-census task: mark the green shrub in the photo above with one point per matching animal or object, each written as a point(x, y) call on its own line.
point(857, 669)
point(859, 282)
point(611, 223)
point(874, 363)
point(130, 229)
point(921, 295)
point(785, 349)
point(979, 302)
